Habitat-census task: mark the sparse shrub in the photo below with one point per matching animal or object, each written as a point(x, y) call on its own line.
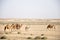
point(42, 34)
point(18, 32)
point(3, 37)
point(43, 37)
point(6, 32)
point(31, 34)
point(37, 37)
point(29, 37)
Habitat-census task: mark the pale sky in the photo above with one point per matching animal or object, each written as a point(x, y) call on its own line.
point(29, 9)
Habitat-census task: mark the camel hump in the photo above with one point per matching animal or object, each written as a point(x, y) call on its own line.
point(49, 25)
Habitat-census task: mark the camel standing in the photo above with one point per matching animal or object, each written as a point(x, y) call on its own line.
point(50, 26)
point(12, 27)
point(16, 26)
point(7, 27)
point(27, 28)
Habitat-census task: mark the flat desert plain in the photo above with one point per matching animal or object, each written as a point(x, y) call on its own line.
point(35, 28)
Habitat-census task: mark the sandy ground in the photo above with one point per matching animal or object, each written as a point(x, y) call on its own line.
point(33, 31)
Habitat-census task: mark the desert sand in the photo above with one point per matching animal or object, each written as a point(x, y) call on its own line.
point(36, 28)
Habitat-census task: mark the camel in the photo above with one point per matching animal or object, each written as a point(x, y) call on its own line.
point(50, 26)
point(7, 27)
point(16, 26)
point(26, 28)
point(12, 27)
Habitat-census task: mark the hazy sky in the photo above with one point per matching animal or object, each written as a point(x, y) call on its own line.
point(29, 9)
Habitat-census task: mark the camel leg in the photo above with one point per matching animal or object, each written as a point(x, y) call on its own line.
point(54, 27)
point(4, 29)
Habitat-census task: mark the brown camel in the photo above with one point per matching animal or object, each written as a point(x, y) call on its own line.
point(50, 26)
point(16, 26)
